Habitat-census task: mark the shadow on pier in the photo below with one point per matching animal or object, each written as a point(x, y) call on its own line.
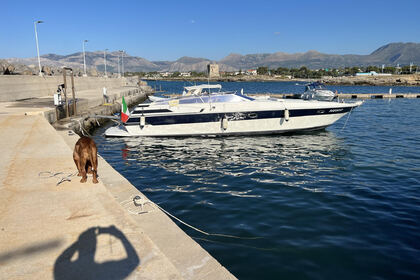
point(28, 251)
point(78, 260)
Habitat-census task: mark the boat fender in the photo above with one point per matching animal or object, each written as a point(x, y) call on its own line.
point(142, 121)
point(286, 114)
point(224, 123)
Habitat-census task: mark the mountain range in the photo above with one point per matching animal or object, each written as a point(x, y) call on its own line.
point(390, 55)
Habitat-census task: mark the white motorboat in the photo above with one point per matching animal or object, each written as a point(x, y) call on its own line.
point(317, 91)
point(199, 112)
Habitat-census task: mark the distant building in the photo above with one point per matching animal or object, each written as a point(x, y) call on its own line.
point(372, 73)
point(185, 74)
point(165, 74)
point(213, 70)
point(251, 72)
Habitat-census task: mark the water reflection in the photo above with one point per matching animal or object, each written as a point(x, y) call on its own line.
point(320, 200)
point(212, 153)
point(221, 165)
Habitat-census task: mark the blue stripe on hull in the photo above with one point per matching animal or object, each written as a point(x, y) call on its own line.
point(236, 116)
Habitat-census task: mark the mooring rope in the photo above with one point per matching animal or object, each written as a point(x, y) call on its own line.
point(82, 129)
point(348, 116)
point(65, 178)
point(179, 220)
point(239, 245)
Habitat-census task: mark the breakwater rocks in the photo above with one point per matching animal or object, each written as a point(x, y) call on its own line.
point(243, 78)
point(87, 122)
point(393, 80)
point(7, 68)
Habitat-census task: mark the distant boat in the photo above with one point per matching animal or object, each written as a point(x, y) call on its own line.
point(155, 98)
point(318, 91)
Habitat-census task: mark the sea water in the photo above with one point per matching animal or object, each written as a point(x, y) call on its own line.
point(340, 203)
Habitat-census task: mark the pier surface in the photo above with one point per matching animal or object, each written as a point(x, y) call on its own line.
point(71, 230)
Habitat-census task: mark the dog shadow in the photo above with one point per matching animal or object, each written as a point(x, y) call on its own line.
point(78, 260)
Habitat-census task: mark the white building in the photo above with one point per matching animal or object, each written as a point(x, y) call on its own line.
point(251, 72)
point(165, 74)
point(185, 74)
point(372, 73)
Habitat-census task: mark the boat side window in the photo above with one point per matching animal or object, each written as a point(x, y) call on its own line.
point(162, 102)
point(247, 97)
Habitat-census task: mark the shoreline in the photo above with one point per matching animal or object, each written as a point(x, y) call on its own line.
point(394, 80)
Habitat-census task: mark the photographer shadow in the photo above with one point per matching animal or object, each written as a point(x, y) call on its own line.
point(78, 260)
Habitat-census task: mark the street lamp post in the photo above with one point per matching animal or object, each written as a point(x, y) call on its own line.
point(119, 75)
point(122, 62)
point(105, 60)
point(37, 47)
point(84, 58)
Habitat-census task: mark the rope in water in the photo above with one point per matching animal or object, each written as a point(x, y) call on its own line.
point(348, 116)
point(240, 245)
point(181, 221)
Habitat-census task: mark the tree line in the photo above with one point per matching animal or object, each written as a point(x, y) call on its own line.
point(302, 72)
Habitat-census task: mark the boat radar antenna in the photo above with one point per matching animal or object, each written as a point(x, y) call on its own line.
point(208, 83)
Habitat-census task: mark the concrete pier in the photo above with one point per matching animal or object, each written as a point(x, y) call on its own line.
point(53, 226)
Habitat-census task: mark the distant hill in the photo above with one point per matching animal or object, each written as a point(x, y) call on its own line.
point(390, 54)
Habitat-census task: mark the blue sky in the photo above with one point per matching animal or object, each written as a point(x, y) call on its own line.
point(167, 30)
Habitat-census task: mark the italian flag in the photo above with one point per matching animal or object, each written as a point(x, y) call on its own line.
point(124, 111)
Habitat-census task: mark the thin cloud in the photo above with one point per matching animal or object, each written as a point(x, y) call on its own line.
point(276, 33)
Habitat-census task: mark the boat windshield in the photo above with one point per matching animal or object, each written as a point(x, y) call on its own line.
point(316, 85)
point(212, 98)
point(201, 89)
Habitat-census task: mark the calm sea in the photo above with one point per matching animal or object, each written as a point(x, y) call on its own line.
point(342, 203)
point(278, 87)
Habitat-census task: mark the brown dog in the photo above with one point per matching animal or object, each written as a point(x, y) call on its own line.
point(85, 157)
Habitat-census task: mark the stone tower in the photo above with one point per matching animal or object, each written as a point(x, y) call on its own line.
point(213, 70)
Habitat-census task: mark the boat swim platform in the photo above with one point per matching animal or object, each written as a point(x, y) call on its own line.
point(54, 227)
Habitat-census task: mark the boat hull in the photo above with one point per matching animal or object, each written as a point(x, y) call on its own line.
point(238, 123)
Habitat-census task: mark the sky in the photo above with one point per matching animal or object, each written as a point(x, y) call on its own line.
point(168, 30)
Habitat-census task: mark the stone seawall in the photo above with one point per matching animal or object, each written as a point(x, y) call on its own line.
point(378, 80)
point(14, 88)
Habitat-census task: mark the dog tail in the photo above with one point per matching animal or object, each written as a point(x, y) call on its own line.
point(93, 157)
